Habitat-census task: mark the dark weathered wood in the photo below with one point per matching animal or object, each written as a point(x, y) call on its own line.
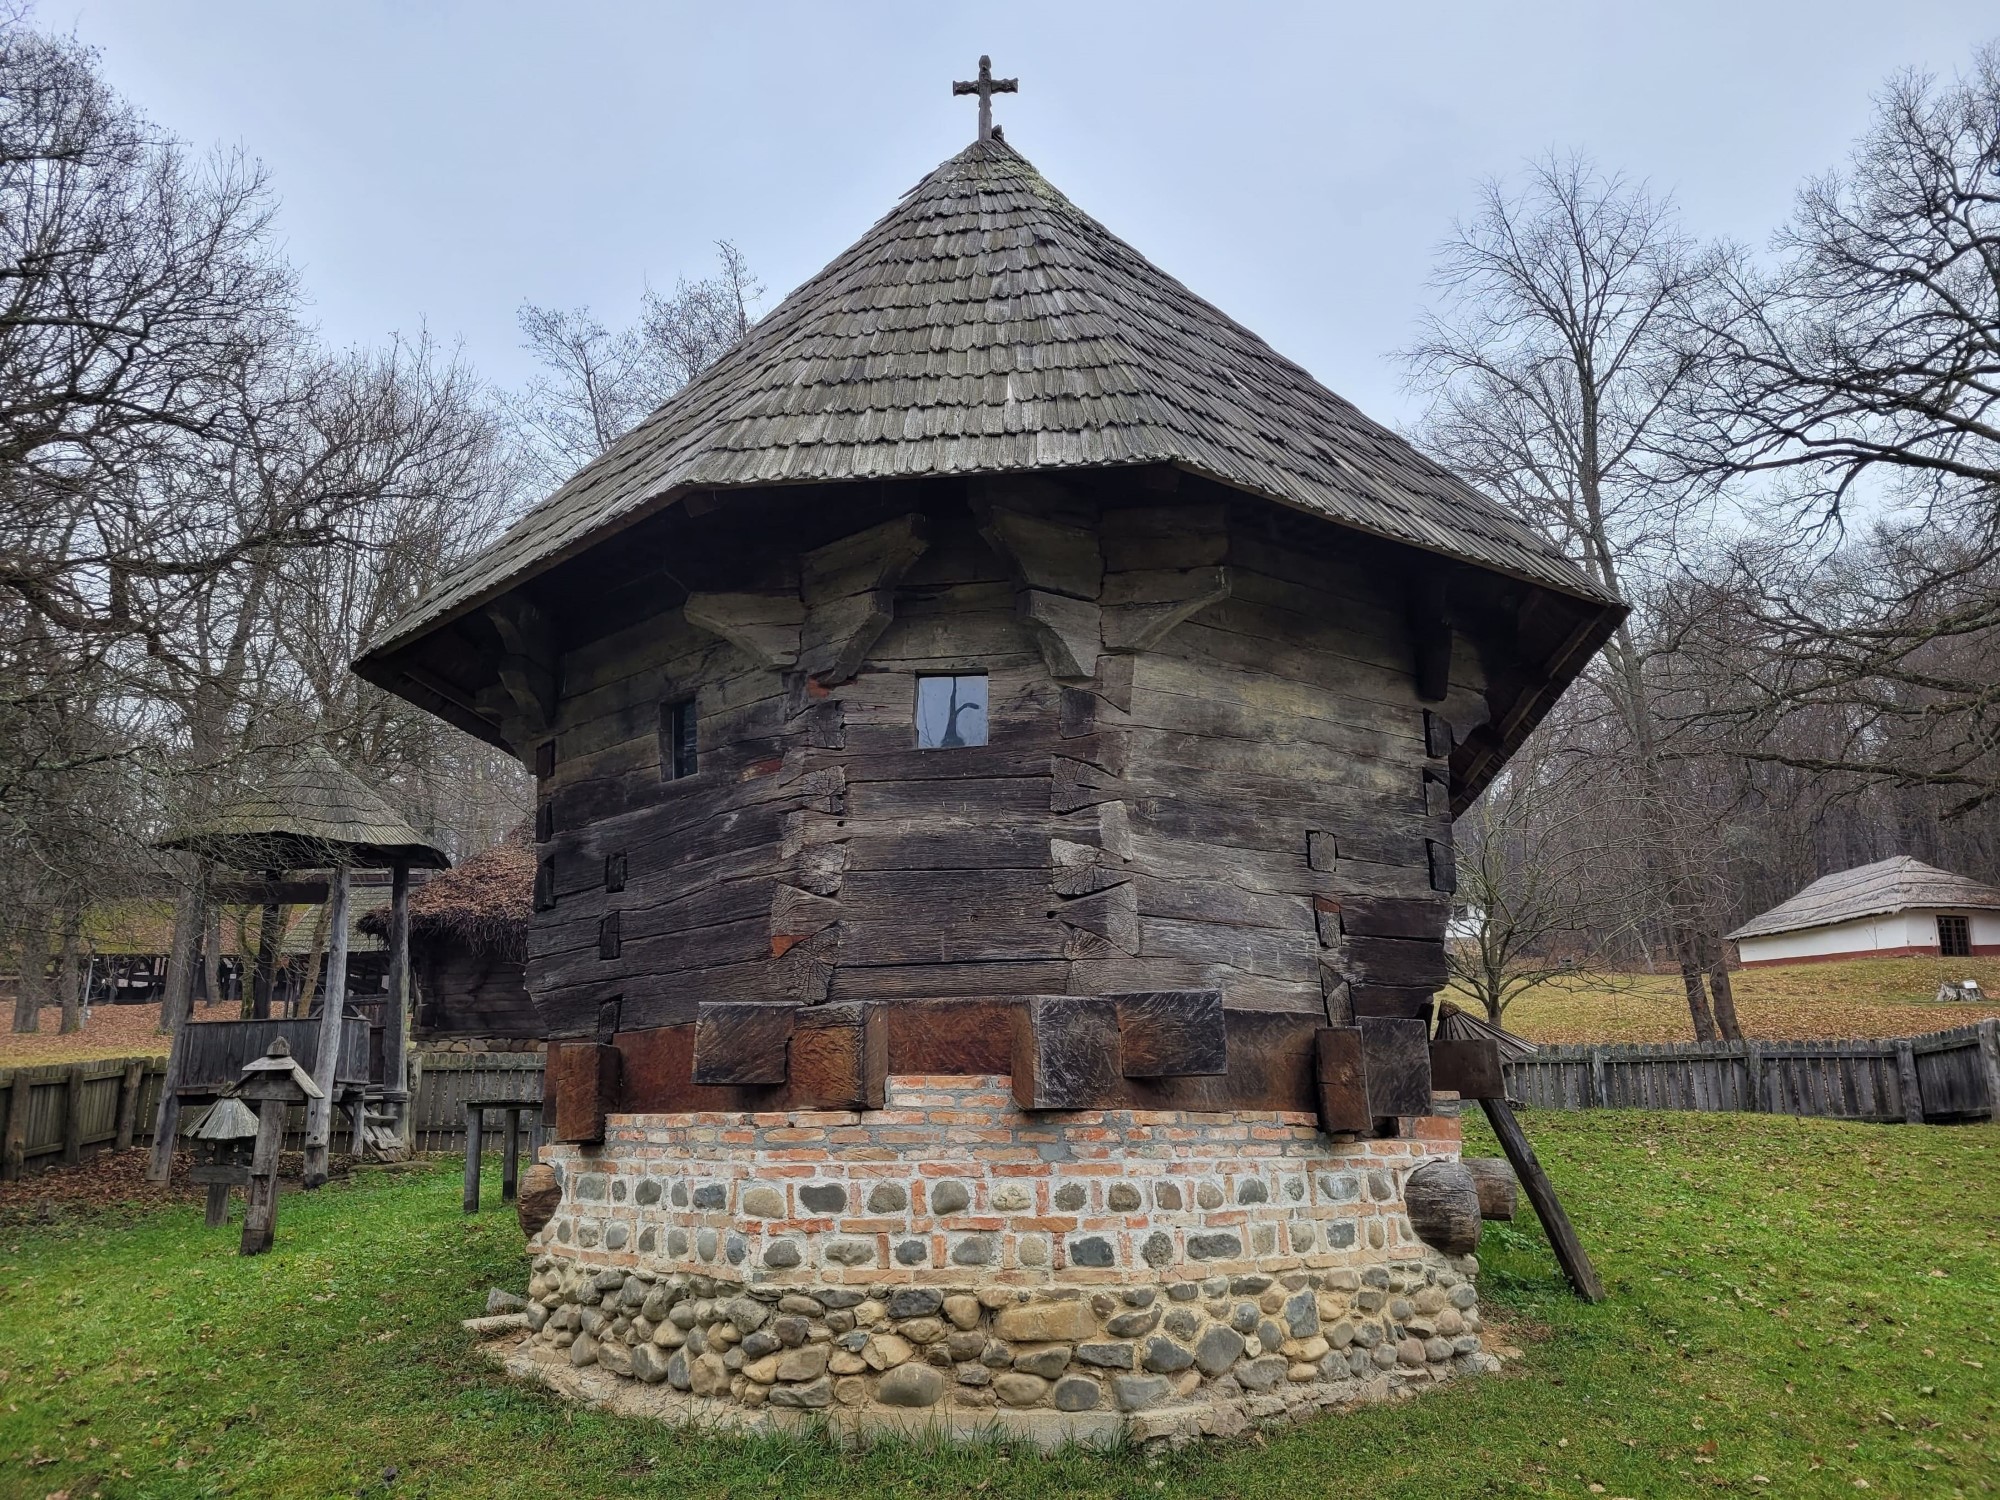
point(1496, 1183)
point(839, 1057)
point(585, 1081)
point(1396, 1056)
point(1398, 962)
point(273, 890)
point(510, 1157)
point(1340, 1079)
point(1471, 1068)
point(742, 1043)
point(1420, 918)
point(14, 1135)
point(130, 1082)
point(1442, 1202)
point(1570, 1254)
point(1912, 1086)
point(1065, 1053)
point(72, 1148)
point(260, 1198)
point(475, 1149)
point(1399, 1002)
point(326, 1052)
point(1171, 1034)
point(396, 1013)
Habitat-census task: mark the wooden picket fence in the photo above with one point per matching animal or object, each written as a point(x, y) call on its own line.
point(52, 1115)
point(1945, 1076)
point(444, 1081)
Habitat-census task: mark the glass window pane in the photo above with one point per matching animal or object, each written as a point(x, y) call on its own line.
point(951, 711)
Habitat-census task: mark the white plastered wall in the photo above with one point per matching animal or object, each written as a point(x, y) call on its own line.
point(1890, 933)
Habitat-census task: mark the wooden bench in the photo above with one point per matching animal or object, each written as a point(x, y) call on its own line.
point(510, 1156)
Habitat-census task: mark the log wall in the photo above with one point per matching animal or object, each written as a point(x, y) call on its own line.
point(1208, 767)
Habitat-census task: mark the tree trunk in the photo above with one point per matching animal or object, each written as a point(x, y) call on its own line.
point(1704, 1020)
point(314, 961)
point(211, 957)
point(174, 1012)
point(71, 974)
point(31, 989)
point(1725, 995)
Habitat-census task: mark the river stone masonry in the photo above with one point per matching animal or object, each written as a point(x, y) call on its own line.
point(952, 1261)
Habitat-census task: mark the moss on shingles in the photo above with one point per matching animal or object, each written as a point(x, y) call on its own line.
point(1806, 1301)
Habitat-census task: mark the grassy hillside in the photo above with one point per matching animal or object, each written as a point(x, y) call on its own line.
point(1803, 1330)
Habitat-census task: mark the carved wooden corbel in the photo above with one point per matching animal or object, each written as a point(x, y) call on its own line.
point(849, 592)
point(1058, 571)
point(765, 626)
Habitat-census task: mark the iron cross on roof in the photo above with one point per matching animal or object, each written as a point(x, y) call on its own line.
point(986, 86)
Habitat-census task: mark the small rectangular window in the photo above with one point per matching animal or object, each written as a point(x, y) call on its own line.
point(545, 885)
point(1955, 937)
point(677, 740)
point(610, 939)
point(614, 872)
point(951, 711)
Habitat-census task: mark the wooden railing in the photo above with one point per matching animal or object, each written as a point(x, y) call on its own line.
point(1942, 1077)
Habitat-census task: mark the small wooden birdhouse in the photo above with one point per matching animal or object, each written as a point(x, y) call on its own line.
point(273, 1083)
point(224, 1137)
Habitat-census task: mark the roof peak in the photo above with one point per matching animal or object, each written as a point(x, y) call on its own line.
point(987, 325)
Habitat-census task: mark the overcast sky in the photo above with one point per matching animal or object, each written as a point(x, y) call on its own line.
point(440, 163)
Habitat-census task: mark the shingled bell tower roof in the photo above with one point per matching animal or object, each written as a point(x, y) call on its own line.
point(987, 325)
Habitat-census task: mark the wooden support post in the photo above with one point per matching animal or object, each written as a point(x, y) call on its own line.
point(396, 1017)
point(1753, 1077)
point(189, 916)
point(319, 1112)
point(357, 1118)
point(269, 929)
point(416, 1093)
point(1913, 1089)
point(1570, 1254)
point(510, 1158)
point(215, 1212)
point(1989, 1065)
point(260, 1198)
point(72, 1148)
point(475, 1120)
point(129, 1085)
point(14, 1137)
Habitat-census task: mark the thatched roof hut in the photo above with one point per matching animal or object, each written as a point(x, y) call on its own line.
point(468, 945)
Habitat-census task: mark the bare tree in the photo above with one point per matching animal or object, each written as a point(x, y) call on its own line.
point(1554, 367)
point(1860, 374)
point(600, 382)
point(1533, 905)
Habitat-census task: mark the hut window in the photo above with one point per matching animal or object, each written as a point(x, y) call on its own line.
point(677, 740)
point(614, 872)
point(951, 711)
point(545, 885)
point(1955, 937)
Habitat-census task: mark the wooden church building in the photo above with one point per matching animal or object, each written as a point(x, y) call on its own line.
point(997, 735)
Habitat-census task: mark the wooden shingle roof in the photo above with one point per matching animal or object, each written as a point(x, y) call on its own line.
point(988, 325)
point(1888, 885)
point(306, 813)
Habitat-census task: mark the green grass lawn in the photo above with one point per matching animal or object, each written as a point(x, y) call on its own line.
point(1797, 1307)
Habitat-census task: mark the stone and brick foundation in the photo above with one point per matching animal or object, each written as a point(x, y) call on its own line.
point(950, 1261)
